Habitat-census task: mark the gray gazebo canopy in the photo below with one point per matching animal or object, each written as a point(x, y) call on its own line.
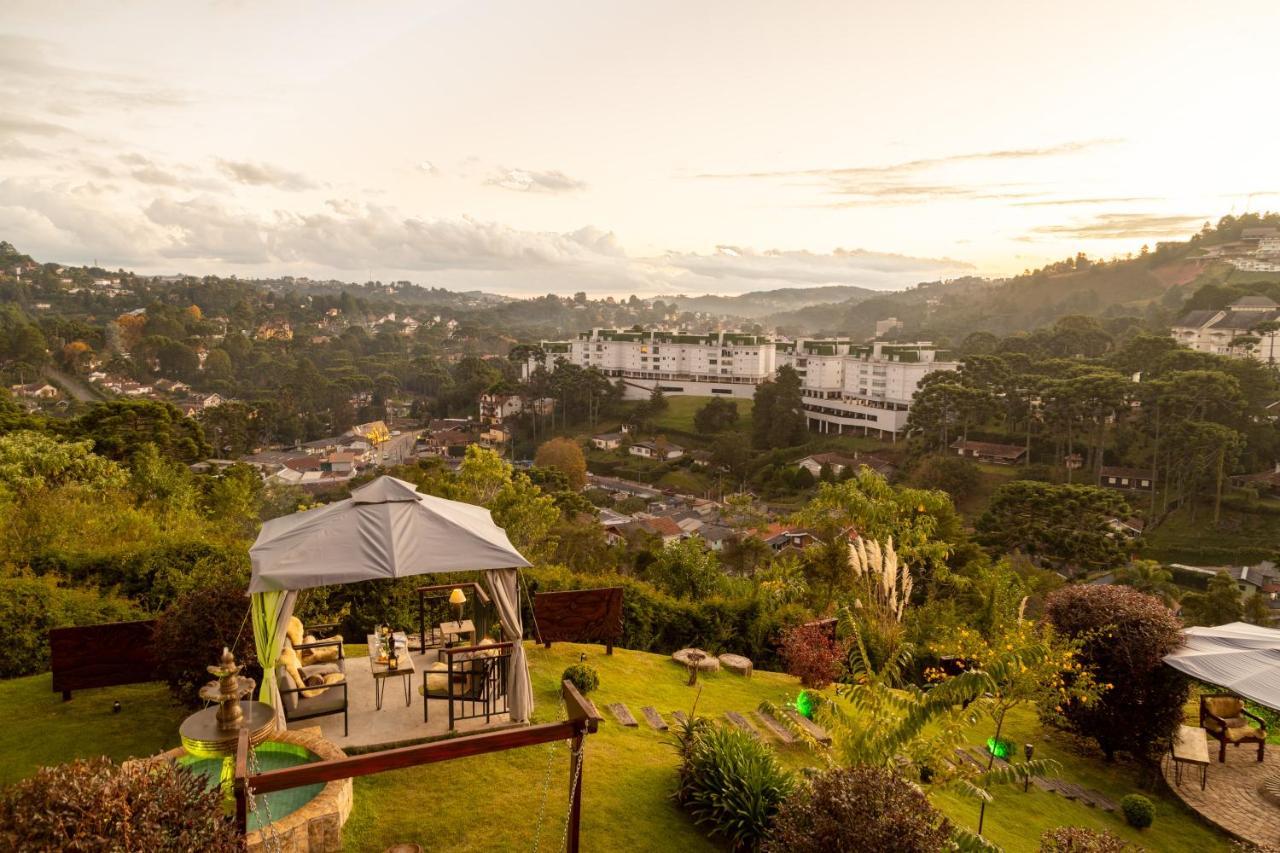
point(388, 529)
point(1243, 658)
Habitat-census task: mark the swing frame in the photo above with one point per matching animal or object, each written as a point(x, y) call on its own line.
point(582, 720)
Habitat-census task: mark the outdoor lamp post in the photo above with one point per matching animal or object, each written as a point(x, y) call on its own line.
point(457, 599)
point(1028, 750)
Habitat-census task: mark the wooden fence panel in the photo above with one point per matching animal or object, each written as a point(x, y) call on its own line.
point(580, 616)
point(101, 655)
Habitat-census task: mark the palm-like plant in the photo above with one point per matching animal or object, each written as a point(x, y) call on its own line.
point(1150, 577)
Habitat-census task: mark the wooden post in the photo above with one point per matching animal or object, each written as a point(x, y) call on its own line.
point(240, 784)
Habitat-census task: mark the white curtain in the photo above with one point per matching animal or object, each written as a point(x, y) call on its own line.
point(270, 615)
point(504, 589)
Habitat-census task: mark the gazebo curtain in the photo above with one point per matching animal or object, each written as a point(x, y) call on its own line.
point(505, 592)
point(270, 615)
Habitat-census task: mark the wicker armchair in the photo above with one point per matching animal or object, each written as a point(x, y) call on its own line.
point(1225, 718)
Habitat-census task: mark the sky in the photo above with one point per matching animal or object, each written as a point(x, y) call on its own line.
point(652, 148)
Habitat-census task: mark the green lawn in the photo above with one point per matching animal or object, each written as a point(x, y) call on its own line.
point(455, 806)
point(678, 417)
point(1243, 537)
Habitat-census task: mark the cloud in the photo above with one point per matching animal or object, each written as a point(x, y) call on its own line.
point(428, 167)
point(914, 181)
point(60, 219)
point(14, 125)
point(1118, 226)
point(739, 268)
point(264, 174)
point(1080, 202)
point(525, 180)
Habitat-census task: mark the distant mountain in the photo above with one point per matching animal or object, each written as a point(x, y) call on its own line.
point(760, 304)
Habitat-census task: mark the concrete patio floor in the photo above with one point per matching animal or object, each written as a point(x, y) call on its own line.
point(396, 722)
point(1233, 799)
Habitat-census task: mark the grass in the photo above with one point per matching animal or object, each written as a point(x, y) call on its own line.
point(1243, 537)
point(677, 419)
point(497, 802)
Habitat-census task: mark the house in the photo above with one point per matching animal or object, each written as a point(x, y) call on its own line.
point(701, 458)
point(987, 451)
point(172, 386)
point(1263, 481)
point(339, 463)
point(659, 526)
point(375, 432)
point(663, 451)
point(716, 535)
point(1249, 579)
point(609, 518)
point(607, 440)
point(274, 330)
point(1125, 478)
point(35, 391)
point(1127, 528)
point(838, 463)
point(779, 537)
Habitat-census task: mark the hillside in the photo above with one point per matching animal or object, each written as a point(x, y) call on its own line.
point(762, 304)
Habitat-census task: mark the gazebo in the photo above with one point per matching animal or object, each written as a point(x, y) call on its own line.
point(1241, 657)
point(386, 529)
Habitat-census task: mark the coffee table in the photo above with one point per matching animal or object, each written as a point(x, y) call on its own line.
point(454, 631)
point(381, 671)
point(1190, 747)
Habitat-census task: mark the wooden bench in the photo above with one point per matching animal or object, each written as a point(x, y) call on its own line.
point(1189, 746)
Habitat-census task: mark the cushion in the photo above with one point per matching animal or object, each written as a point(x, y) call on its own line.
point(1224, 706)
point(322, 682)
point(289, 660)
point(309, 672)
point(328, 701)
point(1242, 733)
point(293, 631)
point(436, 676)
point(285, 682)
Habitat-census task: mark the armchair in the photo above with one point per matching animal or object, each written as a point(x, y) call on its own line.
point(323, 700)
point(1225, 718)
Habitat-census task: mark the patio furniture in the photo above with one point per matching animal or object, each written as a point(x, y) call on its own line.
point(473, 681)
point(330, 699)
point(1224, 717)
point(453, 632)
point(303, 638)
point(1189, 746)
point(382, 671)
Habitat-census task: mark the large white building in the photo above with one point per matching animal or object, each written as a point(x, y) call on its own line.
point(862, 388)
point(1221, 331)
point(706, 365)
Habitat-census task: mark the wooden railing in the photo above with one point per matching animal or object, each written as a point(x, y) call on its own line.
point(582, 719)
point(425, 592)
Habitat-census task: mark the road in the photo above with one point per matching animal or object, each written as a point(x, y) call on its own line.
point(398, 449)
point(73, 386)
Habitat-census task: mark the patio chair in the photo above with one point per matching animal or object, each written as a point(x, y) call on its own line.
point(479, 678)
point(1224, 717)
point(304, 702)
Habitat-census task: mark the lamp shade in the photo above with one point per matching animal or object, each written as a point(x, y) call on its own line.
point(456, 597)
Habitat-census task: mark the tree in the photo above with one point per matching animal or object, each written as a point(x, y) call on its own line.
point(1217, 605)
point(778, 418)
point(1123, 636)
point(686, 569)
point(716, 416)
point(1150, 577)
point(946, 473)
point(120, 428)
point(565, 456)
point(1063, 526)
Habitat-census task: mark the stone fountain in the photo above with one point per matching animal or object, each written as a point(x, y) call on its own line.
point(214, 731)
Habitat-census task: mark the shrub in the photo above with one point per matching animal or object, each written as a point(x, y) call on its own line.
point(731, 782)
point(859, 808)
point(192, 632)
point(29, 607)
point(95, 805)
point(1123, 636)
point(1138, 811)
point(582, 677)
point(1077, 839)
point(809, 653)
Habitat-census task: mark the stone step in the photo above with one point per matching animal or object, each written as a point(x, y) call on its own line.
point(654, 719)
point(773, 727)
point(622, 715)
point(680, 717)
point(815, 731)
point(740, 722)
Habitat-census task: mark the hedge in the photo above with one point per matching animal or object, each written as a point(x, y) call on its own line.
point(29, 607)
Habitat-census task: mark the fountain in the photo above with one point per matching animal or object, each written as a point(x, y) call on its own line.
point(213, 732)
point(299, 819)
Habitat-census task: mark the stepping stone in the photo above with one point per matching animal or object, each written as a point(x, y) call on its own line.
point(815, 731)
point(654, 718)
point(709, 663)
point(965, 755)
point(680, 717)
point(741, 722)
point(775, 728)
point(622, 715)
point(737, 664)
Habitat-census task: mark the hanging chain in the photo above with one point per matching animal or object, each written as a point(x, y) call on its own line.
point(546, 787)
point(270, 834)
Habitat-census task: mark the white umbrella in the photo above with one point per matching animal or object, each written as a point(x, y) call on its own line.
point(1243, 658)
point(386, 529)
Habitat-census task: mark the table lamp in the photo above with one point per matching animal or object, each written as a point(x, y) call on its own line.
point(457, 599)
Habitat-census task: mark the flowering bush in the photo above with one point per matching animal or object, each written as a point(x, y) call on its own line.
point(810, 654)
